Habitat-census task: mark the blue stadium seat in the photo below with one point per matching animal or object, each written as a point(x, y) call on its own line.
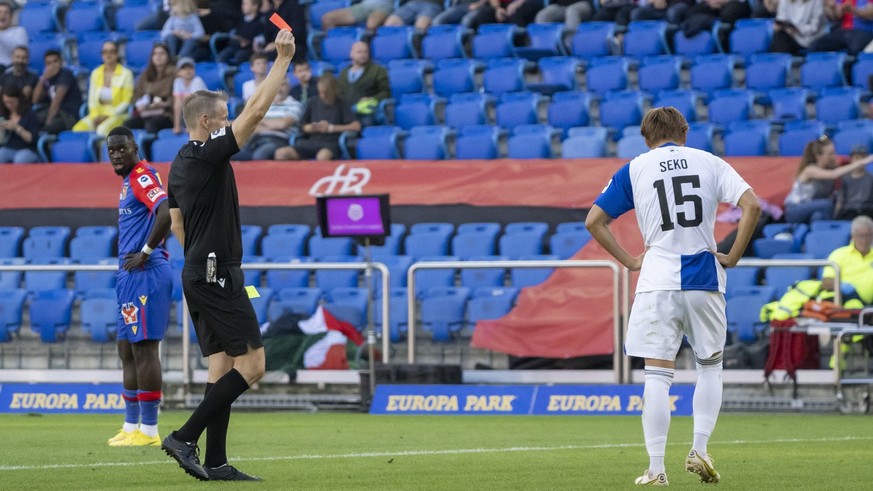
point(251, 237)
point(490, 303)
point(253, 276)
point(822, 70)
point(138, 47)
point(518, 244)
point(442, 312)
point(172, 245)
point(645, 38)
point(493, 41)
point(165, 148)
point(100, 318)
point(861, 70)
point(475, 241)
point(39, 44)
point(93, 242)
point(452, 76)
point(820, 243)
point(321, 247)
point(391, 247)
point(846, 140)
point(11, 308)
point(50, 314)
point(37, 18)
point(415, 110)
point(503, 75)
point(10, 241)
point(277, 280)
point(712, 72)
point(743, 320)
point(46, 242)
point(302, 301)
point(285, 240)
point(766, 292)
point(797, 134)
point(477, 142)
point(398, 267)
point(35, 281)
point(740, 277)
point(89, 49)
point(422, 244)
point(621, 108)
point(703, 43)
point(321, 7)
point(571, 227)
point(766, 248)
point(544, 39)
point(478, 277)
point(348, 304)
point(607, 74)
point(592, 40)
point(568, 110)
point(426, 279)
point(658, 73)
point(531, 141)
point(128, 16)
point(766, 71)
point(83, 17)
point(517, 108)
point(700, 136)
point(584, 142)
point(392, 43)
point(541, 228)
point(327, 280)
point(565, 244)
point(557, 73)
point(11, 279)
point(631, 146)
point(788, 104)
point(730, 105)
point(780, 278)
point(69, 146)
point(212, 73)
point(443, 41)
point(87, 280)
point(406, 76)
point(398, 309)
point(446, 229)
point(467, 108)
point(842, 228)
point(378, 142)
point(837, 104)
point(746, 138)
point(261, 304)
point(751, 36)
point(524, 277)
point(685, 101)
point(337, 43)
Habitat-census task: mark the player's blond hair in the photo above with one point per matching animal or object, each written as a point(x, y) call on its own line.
point(200, 103)
point(664, 124)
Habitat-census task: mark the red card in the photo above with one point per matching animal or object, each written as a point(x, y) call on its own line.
point(279, 22)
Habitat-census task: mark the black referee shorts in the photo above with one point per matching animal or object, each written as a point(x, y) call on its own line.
point(223, 316)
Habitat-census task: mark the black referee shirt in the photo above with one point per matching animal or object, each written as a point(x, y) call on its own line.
point(203, 187)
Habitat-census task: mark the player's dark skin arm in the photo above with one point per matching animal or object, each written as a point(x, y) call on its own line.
point(159, 232)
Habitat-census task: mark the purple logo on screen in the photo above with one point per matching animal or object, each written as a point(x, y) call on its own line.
point(354, 216)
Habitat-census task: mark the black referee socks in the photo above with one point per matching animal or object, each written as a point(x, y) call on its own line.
point(215, 405)
point(216, 437)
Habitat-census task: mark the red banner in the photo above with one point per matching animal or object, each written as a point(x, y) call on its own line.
point(546, 183)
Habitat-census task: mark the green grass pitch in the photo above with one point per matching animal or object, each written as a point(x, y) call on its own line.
point(358, 451)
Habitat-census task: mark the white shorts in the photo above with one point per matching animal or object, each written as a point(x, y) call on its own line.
point(659, 319)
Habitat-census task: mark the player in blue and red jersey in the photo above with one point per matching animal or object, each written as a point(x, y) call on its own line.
point(144, 289)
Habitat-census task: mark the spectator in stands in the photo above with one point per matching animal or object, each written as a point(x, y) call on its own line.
point(518, 12)
point(187, 82)
point(157, 19)
point(324, 118)
point(18, 74)
point(58, 88)
point(183, 29)
point(273, 131)
point(570, 12)
point(373, 12)
point(811, 195)
point(363, 84)
point(765, 9)
point(153, 93)
point(259, 62)
point(459, 12)
point(308, 86)
point(855, 196)
point(669, 10)
point(798, 24)
point(855, 261)
point(702, 16)
point(109, 93)
point(854, 27)
point(419, 13)
point(19, 128)
point(295, 15)
point(617, 11)
point(241, 44)
point(10, 36)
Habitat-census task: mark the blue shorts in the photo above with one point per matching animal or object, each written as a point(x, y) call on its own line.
point(144, 298)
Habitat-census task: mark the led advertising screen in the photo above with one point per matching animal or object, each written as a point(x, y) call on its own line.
point(354, 216)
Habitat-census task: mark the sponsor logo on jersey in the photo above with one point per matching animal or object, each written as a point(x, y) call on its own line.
point(142, 299)
point(219, 132)
point(145, 181)
point(140, 170)
point(123, 192)
point(133, 329)
point(128, 312)
point(154, 194)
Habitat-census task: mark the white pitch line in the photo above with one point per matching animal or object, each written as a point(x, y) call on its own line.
point(418, 453)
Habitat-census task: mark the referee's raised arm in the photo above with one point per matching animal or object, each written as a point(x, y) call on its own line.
point(257, 105)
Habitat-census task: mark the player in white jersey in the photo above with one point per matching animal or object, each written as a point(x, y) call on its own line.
point(676, 191)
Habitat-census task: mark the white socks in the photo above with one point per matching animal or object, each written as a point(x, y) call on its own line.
point(656, 415)
point(149, 430)
point(707, 401)
point(129, 427)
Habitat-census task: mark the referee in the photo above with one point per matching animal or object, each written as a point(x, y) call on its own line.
point(204, 208)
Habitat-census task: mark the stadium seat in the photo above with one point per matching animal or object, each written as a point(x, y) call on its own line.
point(278, 279)
point(631, 146)
point(740, 277)
point(398, 309)
point(766, 248)
point(454, 76)
point(50, 314)
point(593, 40)
point(301, 301)
point(415, 110)
point(557, 73)
point(797, 134)
point(89, 49)
point(478, 277)
point(658, 73)
point(621, 108)
point(477, 142)
point(100, 318)
point(83, 17)
point(703, 43)
point(87, 280)
point(861, 70)
point(585, 142)
point(821, 70)
point(544, 40)
point(443, 311)
point(285, 240)
point(11, 308)
point(392, 43)
point(730, 105)
point(766, 292)
point(35, 281)
point(607, 74)
point(261, 304)
point(788, 104)
point(645, 38)
point(46, 242)
point(93, 242)
point(489, 303)
point(378, 142)
point(710, 73)
point(766, 71)
point(524, 277)
point(780, 278)
point(443, 41)
point(565, 244)
point(568, 110)
point(837, 104)
point(174, 248)
point(321, 7)
point(321, 247)
point(746, 138)
point(466, 109)
point(531, 141)
point(475, 239)
point(406, 76)
point(328, 279)
point(846, 140)
point(446, 229)
point(422, 244)
point(398, 267)
point(350, 305)
point(253, 276)
point(69, 146)
point(429, 278)
point(11, 279)
point(251, 237)
point(493, 41)
point(503, 75)
point(743, 320)
point(685, 101)
point(336, 43)
point(40, 43)
point(10, 241)
point(427, 143)
point(820, 243)
point(37, 18)
point(700, 136)
point(843, 228)
point(751, 36)
point(128, 16)
point(391, 247)
point(165, 148)
point(138, 47)
point(517, 244)
point(517, 108)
